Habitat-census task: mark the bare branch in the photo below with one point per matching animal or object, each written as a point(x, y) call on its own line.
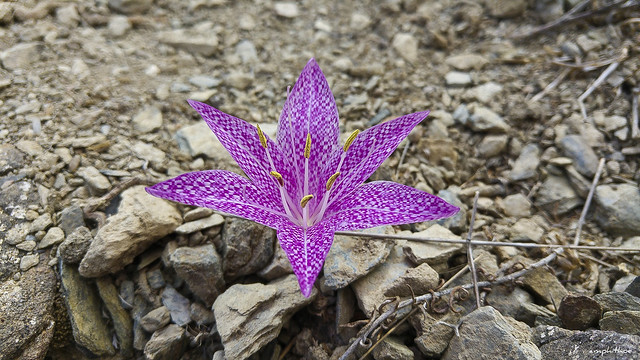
point(585, 209)
point(472, 265)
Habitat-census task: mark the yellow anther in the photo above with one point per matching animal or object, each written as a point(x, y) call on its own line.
point(305, 200)
point(278, 177)
point(263, 139)
point(331, 180)
point(350, 139)
point(307, 147)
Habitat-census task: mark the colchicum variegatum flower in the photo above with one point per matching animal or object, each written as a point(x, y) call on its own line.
point(305, 184)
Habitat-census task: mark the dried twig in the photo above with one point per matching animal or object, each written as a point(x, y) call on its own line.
point(551, 85)
point(594, 85)
point(404, 154)
point(573, 16)
point(585, 208)
point(635, 129)
point(621, 56)
point(393, 237)
point(90, 209)
point(472, 265)
point(368, 330)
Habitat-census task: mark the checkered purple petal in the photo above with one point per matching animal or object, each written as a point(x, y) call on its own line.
point(368, 151)
point(241, 141)
point(306, 250)
point(309, 109)
point(386, 203)
point(223, 191)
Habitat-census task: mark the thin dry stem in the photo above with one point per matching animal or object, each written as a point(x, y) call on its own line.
point(551, 85)
point(573, 16)
point(585, 209)
point(364, 337)
point(635, 128)
point(605, 74)
point(404, 154)
point(393, 237)
point(472, 265)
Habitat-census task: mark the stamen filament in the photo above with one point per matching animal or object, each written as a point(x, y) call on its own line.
point(287, 202)
point(305, 211)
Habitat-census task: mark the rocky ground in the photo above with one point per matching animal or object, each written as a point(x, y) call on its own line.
point(93, 107)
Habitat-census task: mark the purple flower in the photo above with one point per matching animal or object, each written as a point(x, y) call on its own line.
point(305, 184)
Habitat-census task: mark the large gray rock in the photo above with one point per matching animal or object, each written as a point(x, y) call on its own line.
point(147, 120)
point(617, 301)
point(370, 290)
point(83, 304)
point(618, 208)
point(433, 336)
point(177, 305)
point(584, 158)
point(190, 41)
point(121, 319)
point(10, 158)
point(201, 268)
point(141, 220)
point(247, 247)
point(485, 119)
point(351, 258)
point(250, 316)
point(97, 183)
point(26, 312)
point(486, 334)
point(527, 163)
point(392, 348)
point(166, 344)
point(557, 195)
point(22, 55)
point(197, 139)
point(556, 343)
point(544, 283)
point(624, 322)
point(432, 253)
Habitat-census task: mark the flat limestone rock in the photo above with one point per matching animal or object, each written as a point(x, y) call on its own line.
point(85, 312)
point(26, 310)
point(250, 316)
point(351, 258)
point(140, 221)
point(429, 252)
point(486, 334)
point(370, 290)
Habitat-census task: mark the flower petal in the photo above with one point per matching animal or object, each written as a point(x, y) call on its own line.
point(223, 191)
point(241, 141)
point(306, 249)
point(386, 203)
point(310, 109)
point(368, 151)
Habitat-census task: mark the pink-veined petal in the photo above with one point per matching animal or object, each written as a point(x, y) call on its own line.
point(368, 151)
point(309, 109)
point(241, 141)
point(306, 249)
point(223, 191)
point(386, 203)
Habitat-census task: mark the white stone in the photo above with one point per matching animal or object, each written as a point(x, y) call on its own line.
point(406, 45)
point(286, 9)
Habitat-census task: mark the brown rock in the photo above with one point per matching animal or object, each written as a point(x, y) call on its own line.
point(579, 312)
